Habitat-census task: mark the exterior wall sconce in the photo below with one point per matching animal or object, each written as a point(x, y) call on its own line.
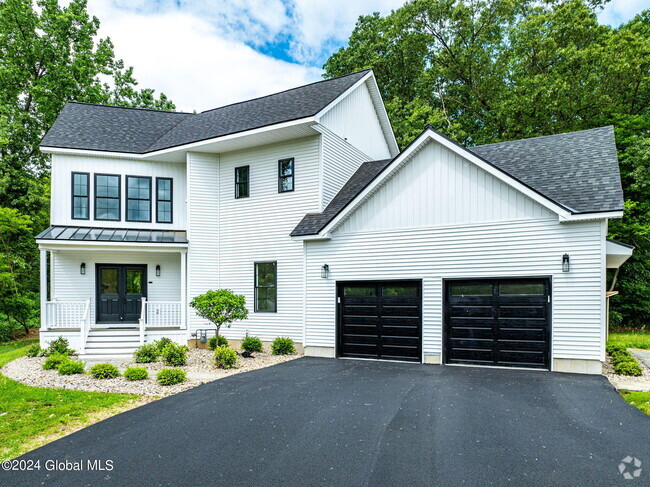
point(565, 263)
point(158, 270)
point(325, 271)
point(82, 269)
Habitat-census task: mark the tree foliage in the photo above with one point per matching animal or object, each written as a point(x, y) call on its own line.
point(220, 307)
point(484, 71)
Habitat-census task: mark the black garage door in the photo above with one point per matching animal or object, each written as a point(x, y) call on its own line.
point(503, 322)
point(380, 320)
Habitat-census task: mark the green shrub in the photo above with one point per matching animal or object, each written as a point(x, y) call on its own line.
point(174, 355)
point(169, 377)
point(621, 356)
point(628, 368)
point(71, 367)
point(53, 361)
point(59, 346)
point(217, 341)
point(147, 353)
point(225, 357)
point(136, 373)
point(614, 347)
point(104, 371)
point(162, 343)
point(34, 350)
point(252, 344)
point(283, 346)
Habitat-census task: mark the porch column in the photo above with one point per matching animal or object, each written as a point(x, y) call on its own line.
point(52, 293)
point(183, 290)
point(43, 288)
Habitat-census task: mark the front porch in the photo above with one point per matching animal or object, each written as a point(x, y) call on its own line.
point(108, 298)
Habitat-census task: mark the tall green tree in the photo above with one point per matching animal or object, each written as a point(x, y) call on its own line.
point(484, 71)
point(49, 54)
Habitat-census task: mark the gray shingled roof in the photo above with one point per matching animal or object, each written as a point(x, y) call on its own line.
point(313, 223)
point(577, 170)
point(114, 129)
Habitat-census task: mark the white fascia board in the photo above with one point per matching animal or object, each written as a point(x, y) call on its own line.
point(303, 238)
point(430, 135)
point(579, 217)
point(380, 109)
point(45, 244)
point(186, 147)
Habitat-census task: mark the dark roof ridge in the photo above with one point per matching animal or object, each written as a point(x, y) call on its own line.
point(103, 105)
point(285, 91)
point(542, 136)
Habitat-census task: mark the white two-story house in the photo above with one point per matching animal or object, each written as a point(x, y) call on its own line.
point(302, 202)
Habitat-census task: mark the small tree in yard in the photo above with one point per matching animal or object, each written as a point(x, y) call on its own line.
point(220, 307)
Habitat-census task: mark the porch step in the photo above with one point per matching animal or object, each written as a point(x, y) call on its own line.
point(127, 352)
point(113, 338)
point(112, 342)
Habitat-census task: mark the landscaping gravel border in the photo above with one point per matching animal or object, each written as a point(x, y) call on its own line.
point(630, 382)
point(200, 369)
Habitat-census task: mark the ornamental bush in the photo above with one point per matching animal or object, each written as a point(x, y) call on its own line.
point(53, 361)
point(136, 373)
point(217, 341)
point(621, 356)
point(283, 346)
point(614, 347)
point(71, 367)
point(60, 346)
point(104, 371)
point(34, 350)
point(145, 354)
point(225, 357)
point(220, 307)
point(162, 343)
point(628, 368)
point(252, 344)
point(169, 377)
point(174, 355)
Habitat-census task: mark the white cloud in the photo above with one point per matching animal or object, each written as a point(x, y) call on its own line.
point(618, 12)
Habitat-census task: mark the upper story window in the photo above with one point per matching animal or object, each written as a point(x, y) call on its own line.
point(138, 199)
point(266, 290)
point(80, 195)
point(242, 178)
point(164, 212)
point(285, 175)
point(107, 197)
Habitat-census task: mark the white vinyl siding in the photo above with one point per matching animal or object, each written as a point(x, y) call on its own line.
point(499, 249)
point(354, 119)
point(64, 165)
point(439, 187)
point(340, 160)
point(70, 285)
point(203, 231)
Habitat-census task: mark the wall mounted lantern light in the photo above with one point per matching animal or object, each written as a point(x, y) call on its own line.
point(565, 263)
point(325, 271)
point(158, 270)
point(82, 268)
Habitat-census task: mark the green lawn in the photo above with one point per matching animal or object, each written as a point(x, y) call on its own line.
point(640, 400)
point(631, 339)
point(33, 416)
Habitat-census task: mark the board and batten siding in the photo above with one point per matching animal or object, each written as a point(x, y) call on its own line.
point(439, 187)
point(354, 119)
point(340, 160)
point(228, 235)
point(523, 248)
point(203, 229)
point(70, 285)
point(64, 165)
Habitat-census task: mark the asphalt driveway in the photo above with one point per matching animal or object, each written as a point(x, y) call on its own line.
point(325, 422)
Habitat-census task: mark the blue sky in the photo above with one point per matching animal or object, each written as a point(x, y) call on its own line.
point(208, 53)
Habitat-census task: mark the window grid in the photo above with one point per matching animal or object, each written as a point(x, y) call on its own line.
point(164, 199)
point(242, 182)
point(138, 199)
point(266, 291)
point(285, 175)
point(80, 196)
point(107, 197)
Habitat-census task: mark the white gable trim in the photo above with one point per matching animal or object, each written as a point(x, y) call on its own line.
point(380, 109)
point(427, 136)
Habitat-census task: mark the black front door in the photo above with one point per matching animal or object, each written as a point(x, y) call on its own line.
point(120, 289)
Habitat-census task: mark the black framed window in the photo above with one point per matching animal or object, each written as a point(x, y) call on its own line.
point(266, 290)
point(80, 195)
point(164, 199)
point(285, 175)
point(242, 180)
point(107, 197)
point(138, 199)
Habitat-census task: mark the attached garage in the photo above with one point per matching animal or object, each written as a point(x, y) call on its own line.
point(380, 320)
point(502, 322)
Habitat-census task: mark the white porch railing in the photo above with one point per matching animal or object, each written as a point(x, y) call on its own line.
point(160, 314)
point(66, 314)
